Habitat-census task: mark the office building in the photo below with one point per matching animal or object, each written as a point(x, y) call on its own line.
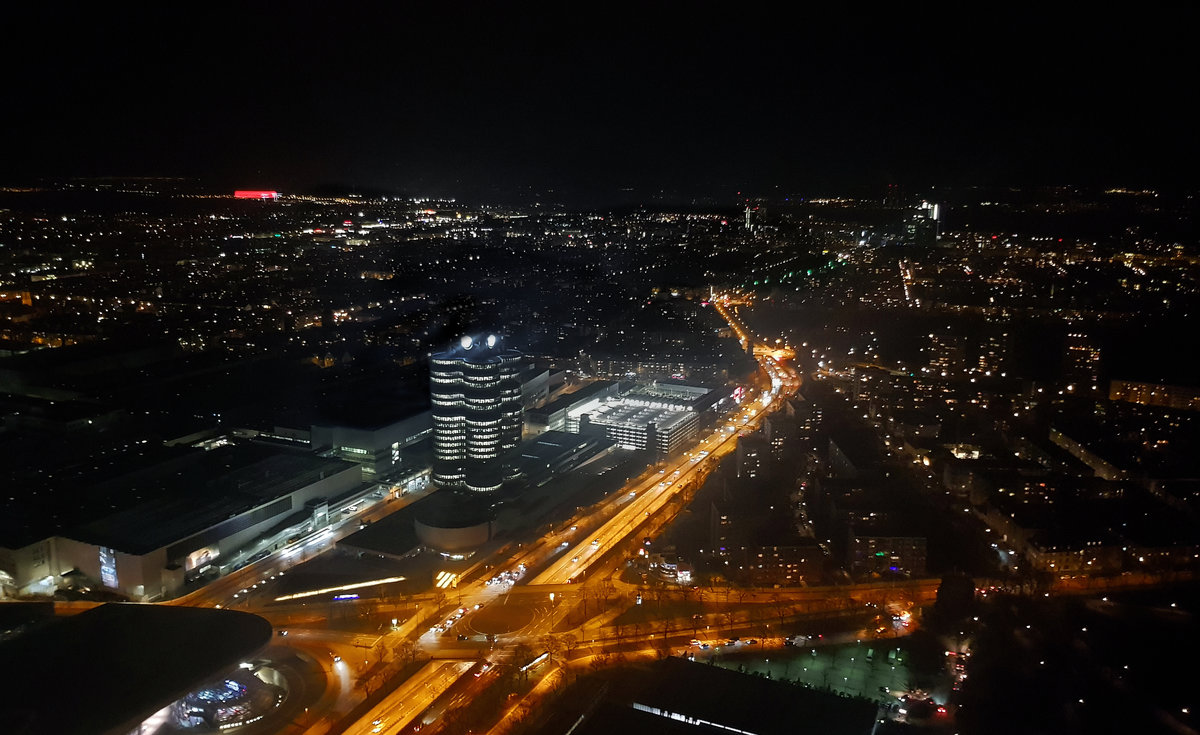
point(1082, 371)
point(1178, 397)
point(752, 454)
point(947, 354)
point(475, 389)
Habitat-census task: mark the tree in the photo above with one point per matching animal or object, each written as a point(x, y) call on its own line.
point(954, 597)
point(780, 606)
point(657, 588)
point(621, 632)
point(521, 656)
point(551, 643)
point(406, 651)
point(568, 641)
point(661, 647)
point(585, 592)
point(926, 657)
point(606, 590)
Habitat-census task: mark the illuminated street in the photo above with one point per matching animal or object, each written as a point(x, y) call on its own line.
point(387, 370)
point(411, 698)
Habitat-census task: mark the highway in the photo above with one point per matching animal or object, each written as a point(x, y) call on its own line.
point(651, 495)
point(642, 500)
point(410, 699)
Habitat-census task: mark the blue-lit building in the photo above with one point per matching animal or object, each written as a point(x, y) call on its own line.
point(475, 391)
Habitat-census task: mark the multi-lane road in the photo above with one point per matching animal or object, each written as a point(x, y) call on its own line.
point(411, 698)
point(648, 497)
point(640, 501)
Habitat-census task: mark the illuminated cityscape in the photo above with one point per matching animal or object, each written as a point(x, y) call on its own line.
point(384, 371)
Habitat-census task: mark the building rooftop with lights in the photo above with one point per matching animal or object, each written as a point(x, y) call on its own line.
point(660, 416)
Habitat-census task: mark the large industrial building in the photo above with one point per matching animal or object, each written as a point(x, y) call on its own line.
point(552, 416)
point(376, 446)
point(475, 389)
point(660, 417)
point(175, 518)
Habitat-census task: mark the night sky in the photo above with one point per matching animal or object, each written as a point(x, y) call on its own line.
point(598, 102)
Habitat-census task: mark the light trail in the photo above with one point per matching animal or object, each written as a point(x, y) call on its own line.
point(339, 588)
point(411, 698)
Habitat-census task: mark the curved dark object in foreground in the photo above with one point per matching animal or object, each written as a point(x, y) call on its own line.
point(105, 670)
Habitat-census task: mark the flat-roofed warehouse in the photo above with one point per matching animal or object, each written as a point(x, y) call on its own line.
point(661, 416)
point(171, 518)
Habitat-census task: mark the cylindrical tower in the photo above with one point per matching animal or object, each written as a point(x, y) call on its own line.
point(476, 394)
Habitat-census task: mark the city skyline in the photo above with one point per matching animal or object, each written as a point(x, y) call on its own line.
point(567, 370)
point(813, 440)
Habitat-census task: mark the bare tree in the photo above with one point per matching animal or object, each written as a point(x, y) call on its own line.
point(621, 633)
point(551, 643)
point(781, 608)
point(584, 593)
point(406, 651)
point(569, 642)
point(606, 590)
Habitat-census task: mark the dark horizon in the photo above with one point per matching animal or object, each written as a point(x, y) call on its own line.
point(694, 105)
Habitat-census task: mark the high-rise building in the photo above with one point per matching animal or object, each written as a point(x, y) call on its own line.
point(1082, 371)
point(921, 226)
point(475, 389)
point(947, 354)
point(752, 454)
point(993, 352)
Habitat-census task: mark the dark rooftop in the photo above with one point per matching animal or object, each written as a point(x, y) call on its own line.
point(104, 670)
point(393, 535)
point(725, 701)
point(166, 497)
point(222, 484)
point(568, 399)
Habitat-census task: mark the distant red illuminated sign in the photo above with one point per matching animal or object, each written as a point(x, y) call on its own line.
point(255, 194)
